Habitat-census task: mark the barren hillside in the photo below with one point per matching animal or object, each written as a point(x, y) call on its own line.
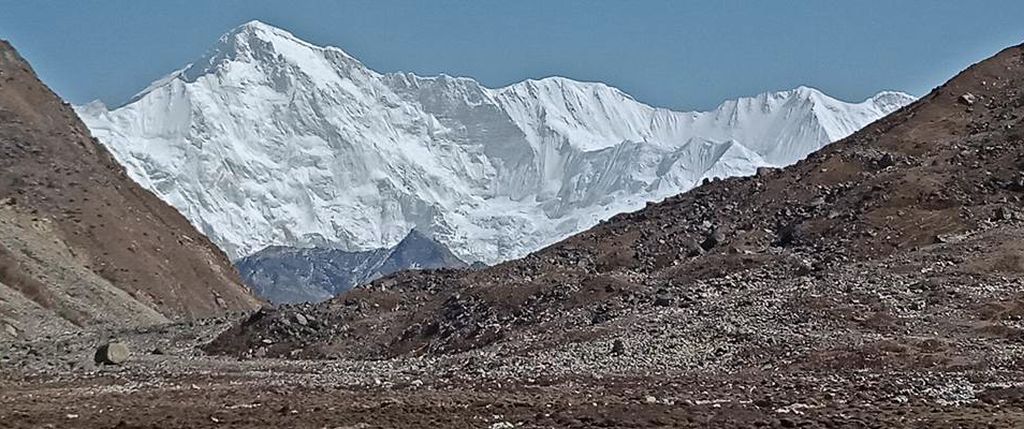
point(80, 243)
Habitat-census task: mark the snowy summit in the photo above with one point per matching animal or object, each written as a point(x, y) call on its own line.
point(270, 140)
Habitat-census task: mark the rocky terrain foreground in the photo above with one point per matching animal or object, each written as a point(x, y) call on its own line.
point(167, 383)
point(877, 283)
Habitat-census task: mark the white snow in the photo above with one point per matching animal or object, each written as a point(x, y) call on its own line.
point(269, 140)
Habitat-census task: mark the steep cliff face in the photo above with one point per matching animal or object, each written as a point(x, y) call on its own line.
point(80, 242)
point(269, 140)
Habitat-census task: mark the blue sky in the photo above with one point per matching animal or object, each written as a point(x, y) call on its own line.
point(678, 54)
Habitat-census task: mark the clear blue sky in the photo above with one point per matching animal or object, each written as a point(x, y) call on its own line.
point(679, 54)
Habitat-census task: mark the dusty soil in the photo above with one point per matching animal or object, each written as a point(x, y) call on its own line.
point(53, 384)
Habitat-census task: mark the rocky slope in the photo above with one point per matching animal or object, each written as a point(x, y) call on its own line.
point(895, 252)
point(269, 140)
point(294, 275)
point(81, 243)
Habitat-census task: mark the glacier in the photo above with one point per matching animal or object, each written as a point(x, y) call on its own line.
point(267, 140)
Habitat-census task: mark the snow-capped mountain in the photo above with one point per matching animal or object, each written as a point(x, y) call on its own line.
point(269, 140)
point(287, 275)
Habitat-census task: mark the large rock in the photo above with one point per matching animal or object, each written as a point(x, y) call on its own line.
point(113, 353)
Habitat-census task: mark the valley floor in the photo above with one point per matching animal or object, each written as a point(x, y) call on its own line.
point(54, 384)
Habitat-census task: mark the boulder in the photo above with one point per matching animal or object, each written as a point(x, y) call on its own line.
point(968, 99)
point(112, 353)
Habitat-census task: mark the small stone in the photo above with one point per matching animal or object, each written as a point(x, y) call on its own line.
point(11, 330)
point(1003, 213)
point(803, 267)
point(968, 99)
point(662, 301)
point(691, 248)
point(887, 161)
point(715, 238)
point(301, 319)
point(618, 347)
point(113, 353)
point(651, 400)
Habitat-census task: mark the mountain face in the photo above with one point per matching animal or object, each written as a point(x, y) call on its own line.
point(269, 140)
point(81, 243)
point(293, 275)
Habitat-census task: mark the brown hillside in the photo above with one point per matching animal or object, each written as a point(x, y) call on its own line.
point(81, 243)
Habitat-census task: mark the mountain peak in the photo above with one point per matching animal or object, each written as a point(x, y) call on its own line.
point(258, 25)
point(417, 250)
point(562, 84)
point(260, 30)
point(804, 90)
point(261, 43)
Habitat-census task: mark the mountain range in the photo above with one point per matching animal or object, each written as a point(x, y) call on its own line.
point(267, 140)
